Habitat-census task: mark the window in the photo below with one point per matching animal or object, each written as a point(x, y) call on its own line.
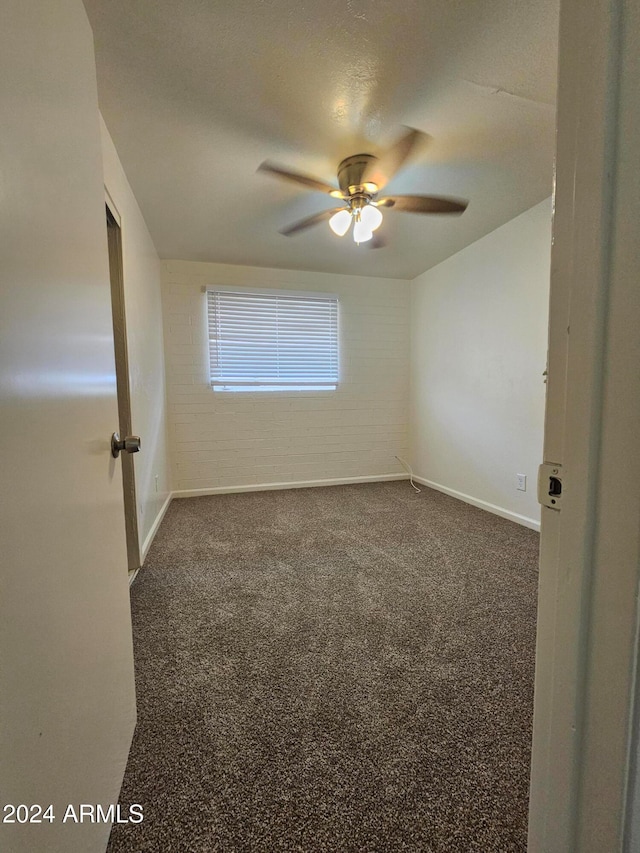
point(268, 340)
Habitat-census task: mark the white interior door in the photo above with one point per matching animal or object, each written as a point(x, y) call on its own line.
point(67, 693)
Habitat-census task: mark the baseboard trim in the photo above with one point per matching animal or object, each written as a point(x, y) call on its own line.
point(297, 484)
point(524, 520)
point(154, 528)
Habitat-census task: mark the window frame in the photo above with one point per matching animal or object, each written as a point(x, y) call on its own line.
point(270, 387)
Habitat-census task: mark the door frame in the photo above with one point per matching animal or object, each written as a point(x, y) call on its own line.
point(121, 350)
point(583, 791)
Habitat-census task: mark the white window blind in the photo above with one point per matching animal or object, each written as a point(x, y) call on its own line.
point(272, 340)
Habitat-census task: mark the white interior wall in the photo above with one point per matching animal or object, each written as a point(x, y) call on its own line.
point(479, 341)
point(143, 306)
point(222, 441)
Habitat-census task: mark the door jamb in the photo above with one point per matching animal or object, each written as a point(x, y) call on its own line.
point(121, 351)
point(590, 551)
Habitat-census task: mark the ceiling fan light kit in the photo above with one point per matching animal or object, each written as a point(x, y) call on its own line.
point(360, 232)
point(364, 215)
point(371, 216)
point(340, 222)
point(359, 191)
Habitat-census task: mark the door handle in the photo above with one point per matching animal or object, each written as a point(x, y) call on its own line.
point(130, 444)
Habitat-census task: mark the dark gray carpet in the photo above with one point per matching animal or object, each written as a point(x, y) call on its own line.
point(333, 669)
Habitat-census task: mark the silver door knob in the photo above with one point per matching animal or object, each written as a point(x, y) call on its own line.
point(130, 444)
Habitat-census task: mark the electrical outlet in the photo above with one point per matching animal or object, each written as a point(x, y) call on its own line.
point(521, 481)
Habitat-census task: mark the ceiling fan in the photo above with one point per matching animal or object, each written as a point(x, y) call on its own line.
point(361, 177)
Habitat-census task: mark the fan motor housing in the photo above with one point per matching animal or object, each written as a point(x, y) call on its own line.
point(351, 171)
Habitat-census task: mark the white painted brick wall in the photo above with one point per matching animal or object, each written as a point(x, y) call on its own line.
point(238, 439)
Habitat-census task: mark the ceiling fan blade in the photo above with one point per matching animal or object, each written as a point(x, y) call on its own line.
point(301, 224)
point(307, 181)
point(381, 170)
point(424, 204)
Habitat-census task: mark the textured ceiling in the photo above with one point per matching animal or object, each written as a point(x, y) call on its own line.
point(196, 93)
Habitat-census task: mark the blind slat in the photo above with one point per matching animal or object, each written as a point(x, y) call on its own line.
point(267, 339)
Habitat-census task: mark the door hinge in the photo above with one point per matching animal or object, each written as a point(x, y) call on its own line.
point(550, 485)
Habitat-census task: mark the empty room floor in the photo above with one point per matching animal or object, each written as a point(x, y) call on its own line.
point(332, 669)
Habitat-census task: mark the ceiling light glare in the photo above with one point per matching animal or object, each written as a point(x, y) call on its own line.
point(361, 232)
point(371, 217)
point(340, 222)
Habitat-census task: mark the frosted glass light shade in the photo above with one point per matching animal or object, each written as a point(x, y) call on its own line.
point(371, 217)
point(340, 222)
point(361, 233)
